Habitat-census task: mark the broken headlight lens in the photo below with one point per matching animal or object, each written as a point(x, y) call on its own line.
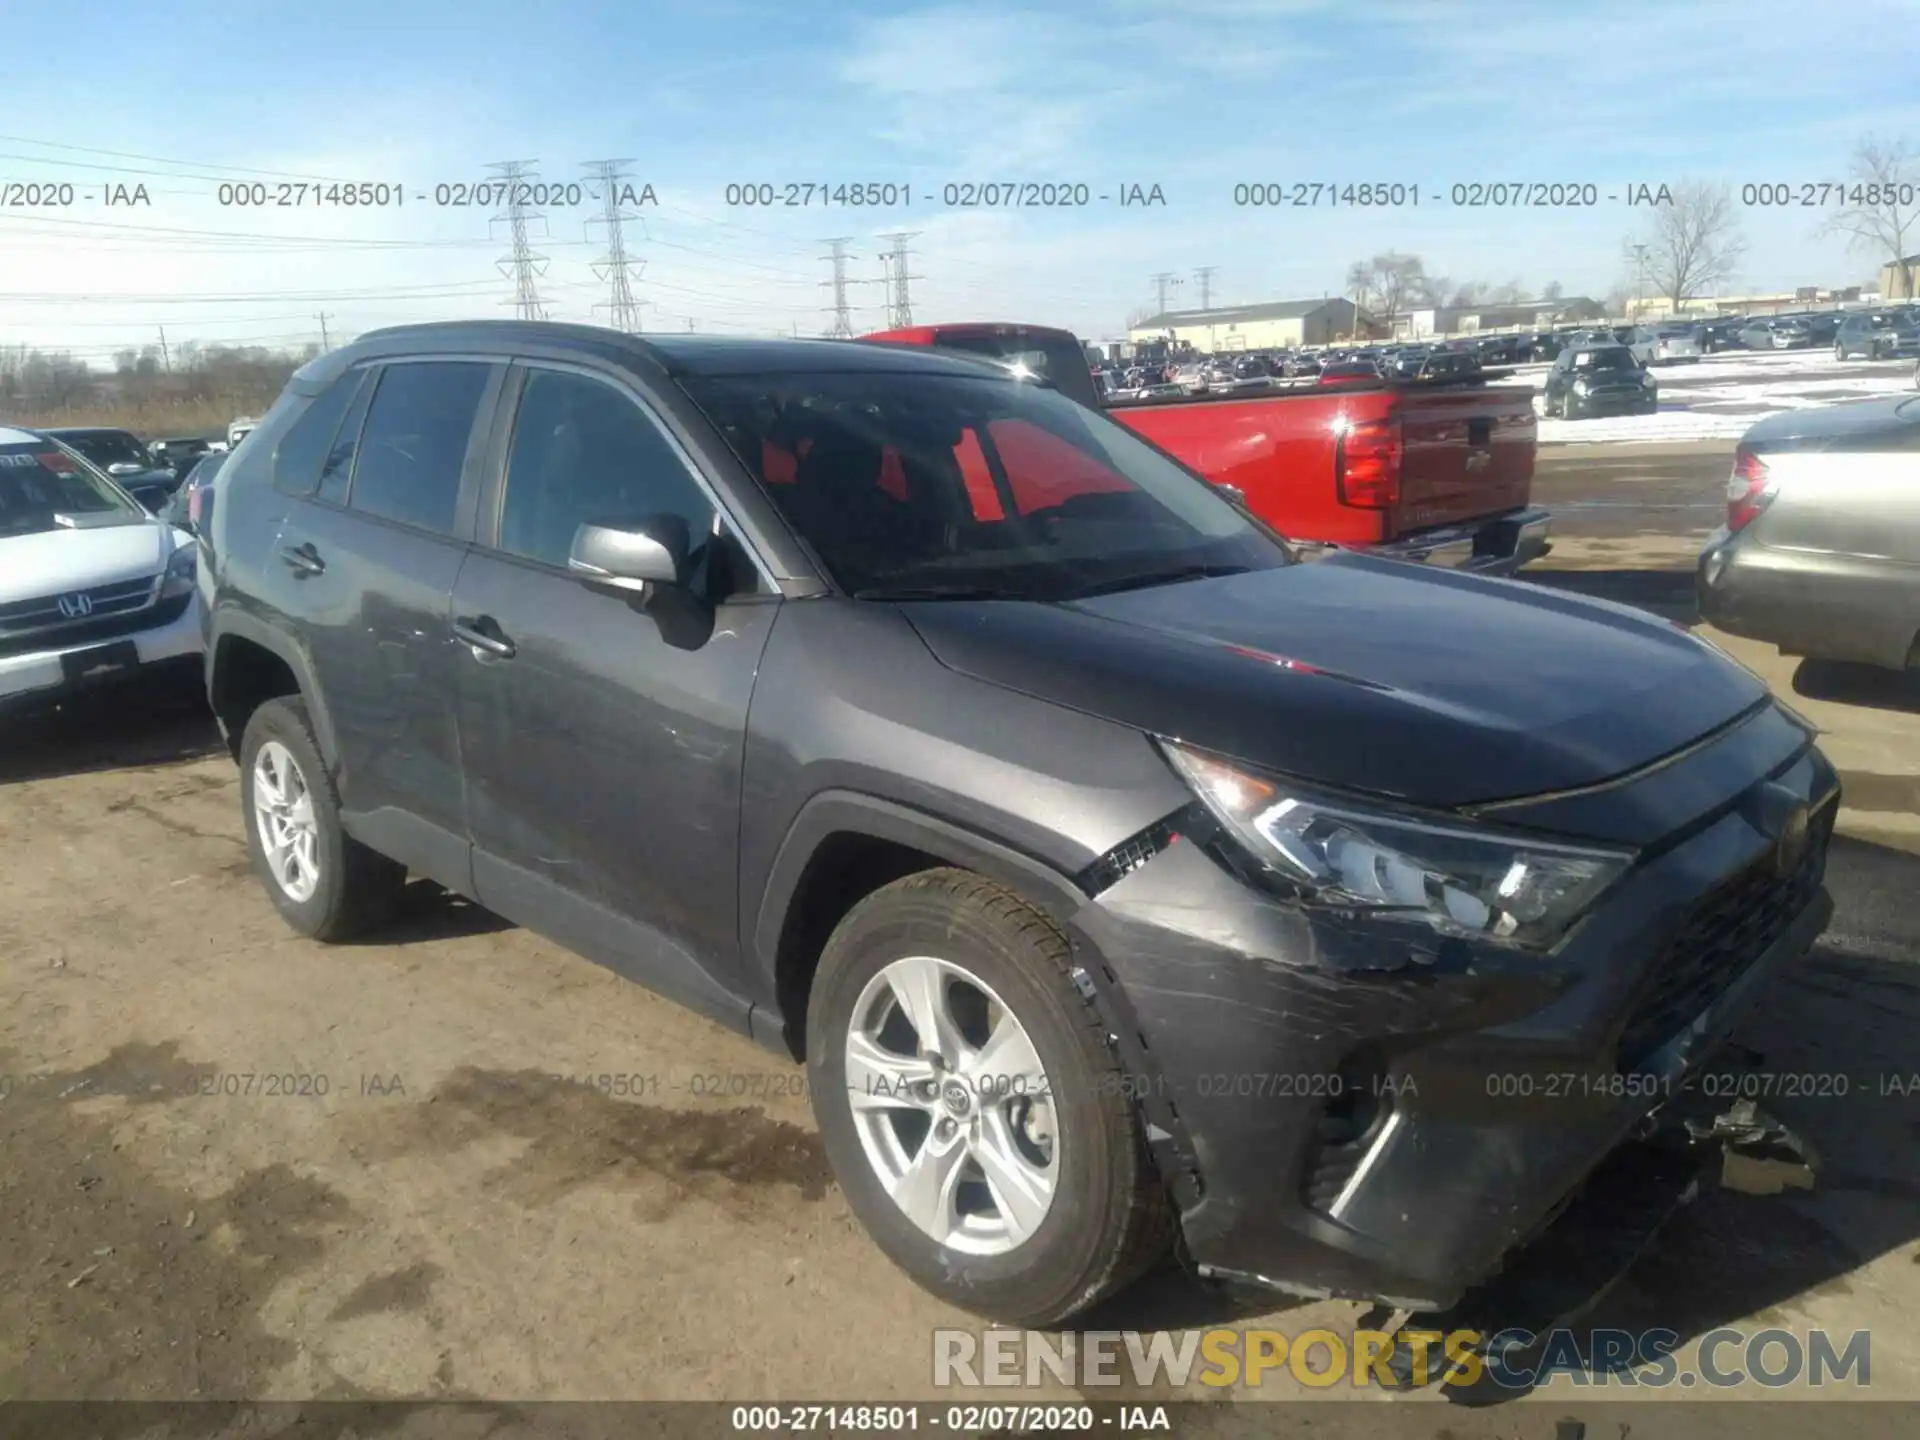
point(1459, 879)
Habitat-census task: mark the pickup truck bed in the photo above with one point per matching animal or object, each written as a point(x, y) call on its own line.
point(1430, 470)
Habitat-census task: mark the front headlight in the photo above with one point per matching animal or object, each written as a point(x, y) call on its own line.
point(1459, 879)
point(180, 571)
point(1580, 386)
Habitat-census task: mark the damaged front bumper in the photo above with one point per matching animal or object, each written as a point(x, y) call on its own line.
point(1384, 1134)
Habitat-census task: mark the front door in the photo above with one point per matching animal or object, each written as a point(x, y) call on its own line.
point(603, 756)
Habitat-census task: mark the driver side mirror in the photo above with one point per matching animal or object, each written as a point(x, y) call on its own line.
point(124, 467)
point(635, 558)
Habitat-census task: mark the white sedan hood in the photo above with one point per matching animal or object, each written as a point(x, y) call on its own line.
point(53, 562)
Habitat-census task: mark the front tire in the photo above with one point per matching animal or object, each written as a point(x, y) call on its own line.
point(324, 883)
point(978, 1122)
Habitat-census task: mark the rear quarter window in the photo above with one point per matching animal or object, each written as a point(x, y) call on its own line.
point(303, 450)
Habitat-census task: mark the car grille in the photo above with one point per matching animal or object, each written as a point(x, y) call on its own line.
point(1729, 929)
point(125, 608)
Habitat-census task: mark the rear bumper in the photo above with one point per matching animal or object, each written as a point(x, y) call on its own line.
point(1815, 603)
point(1491, 545)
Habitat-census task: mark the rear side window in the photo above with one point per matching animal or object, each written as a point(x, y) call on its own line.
point(303, 449)
point(414, 443)
point(337, 468)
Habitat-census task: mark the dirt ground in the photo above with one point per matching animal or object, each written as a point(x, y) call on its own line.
point(236, 1164)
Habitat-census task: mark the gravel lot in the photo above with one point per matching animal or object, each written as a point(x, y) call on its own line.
point(451, 1218)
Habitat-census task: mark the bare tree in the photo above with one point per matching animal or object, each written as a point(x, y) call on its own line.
point(1387, 284)
point(1882, 209)
point(1692, 243)
point(1552, 290)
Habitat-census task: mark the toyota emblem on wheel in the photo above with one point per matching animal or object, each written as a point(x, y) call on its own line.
point(76, 606)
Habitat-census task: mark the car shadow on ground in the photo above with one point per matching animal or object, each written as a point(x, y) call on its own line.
point(160, 720)
point(428, 911)
point(1834, 1053)
point(1866, 685)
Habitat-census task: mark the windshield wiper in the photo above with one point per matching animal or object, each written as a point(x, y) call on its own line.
point(1159, 577)
point(930, 592)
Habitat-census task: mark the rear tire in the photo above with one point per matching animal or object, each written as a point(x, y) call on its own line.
point(324, 883)
point(983, 956)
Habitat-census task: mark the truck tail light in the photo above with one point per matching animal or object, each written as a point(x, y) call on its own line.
point(1366, 464)
point(1747, 489)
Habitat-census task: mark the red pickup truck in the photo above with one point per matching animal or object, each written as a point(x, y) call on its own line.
point(1436, 471)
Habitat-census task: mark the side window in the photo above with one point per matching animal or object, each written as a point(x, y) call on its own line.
point(338, 466)
point(584, 452)
point(414, 443)
point(303, 449)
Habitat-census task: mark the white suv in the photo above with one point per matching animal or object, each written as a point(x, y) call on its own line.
point(92, 587)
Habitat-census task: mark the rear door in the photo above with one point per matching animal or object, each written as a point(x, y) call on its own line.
point(382, 476)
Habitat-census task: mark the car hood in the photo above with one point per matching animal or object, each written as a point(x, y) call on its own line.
point(1368, 675)
point(52, 562)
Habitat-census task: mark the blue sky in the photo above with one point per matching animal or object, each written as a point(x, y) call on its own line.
point(1191, 96)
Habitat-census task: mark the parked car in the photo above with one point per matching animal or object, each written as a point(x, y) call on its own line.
point(1591, 380)
point(179, 452)
point(1757, 335)
point(1663, 344)
point(1344, 372)
point(1722, 333)
point(93, 588)
point(1878, 335)
point(1021, 800)
point(122, 455)
point(1792, 333)
point(1303, 364)
point(1821, 547)
point(1407, 360)
point(1440, 474)
point(1450, 365)
point(192, 502)
point(1822, 328)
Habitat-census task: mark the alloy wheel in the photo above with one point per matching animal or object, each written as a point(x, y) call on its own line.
point(952, 1106)
point(283, 810)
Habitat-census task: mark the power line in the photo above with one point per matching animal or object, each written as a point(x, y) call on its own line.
point(899, 306)
point(623, 311)
point(842, 327)
point(522, 264)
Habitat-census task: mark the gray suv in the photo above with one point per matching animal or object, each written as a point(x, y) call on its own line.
point(1114, 874)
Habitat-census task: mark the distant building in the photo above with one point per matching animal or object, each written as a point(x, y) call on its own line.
point(1520, 315)
point(1279, 325)
point(1900, 279)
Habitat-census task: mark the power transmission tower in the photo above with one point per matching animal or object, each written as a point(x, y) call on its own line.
point(899, 306)
point(1166, 280)
point(1205, 276)
point(623, 311)
point(842, 327)
point(522, 265)
point(321, 316)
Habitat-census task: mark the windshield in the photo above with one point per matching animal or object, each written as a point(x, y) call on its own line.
point(1058, 360)
point(39, 483)
point(912, 486)
point(1615, 359)
point(106, 447)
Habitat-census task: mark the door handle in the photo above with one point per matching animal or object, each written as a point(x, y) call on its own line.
point(482, 635)
point(303, 560)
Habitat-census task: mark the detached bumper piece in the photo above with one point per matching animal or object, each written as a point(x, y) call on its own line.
point(1616, 1218)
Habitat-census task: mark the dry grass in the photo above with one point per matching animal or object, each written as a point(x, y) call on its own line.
point(147, 419)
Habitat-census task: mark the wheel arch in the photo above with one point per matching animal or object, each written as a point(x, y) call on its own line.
point(250, 662)
point(842, 846)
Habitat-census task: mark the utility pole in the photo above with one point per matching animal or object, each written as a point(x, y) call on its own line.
point(899, 305)
point(1205, 276)
point(522, 264)
point(321, 316)
point(1639, 279)
point(166, 358)
point(842, 327)
point(623, 311)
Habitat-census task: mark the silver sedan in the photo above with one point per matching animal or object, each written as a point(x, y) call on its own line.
point(1820, 554)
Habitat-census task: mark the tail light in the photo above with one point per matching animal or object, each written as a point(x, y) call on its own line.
point(200, 506)
point(1366, 464)
point(1747, 492)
